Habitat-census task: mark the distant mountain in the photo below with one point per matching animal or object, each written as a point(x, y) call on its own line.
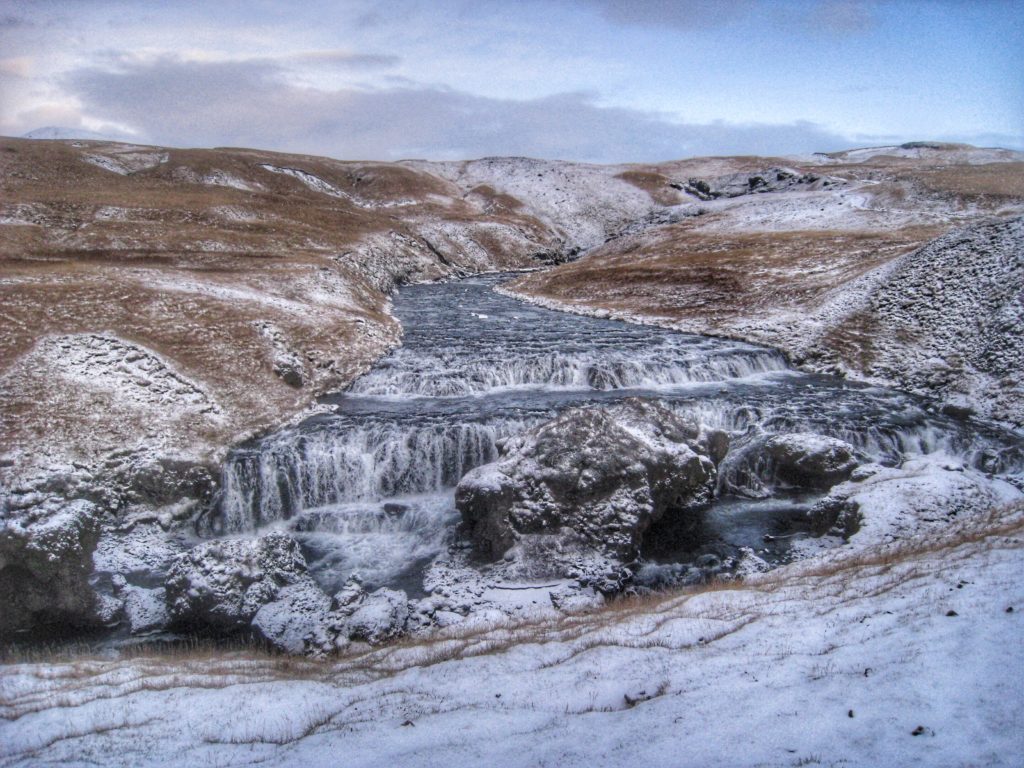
point(56, 132)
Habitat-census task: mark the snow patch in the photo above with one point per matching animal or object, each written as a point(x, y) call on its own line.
point(135, 374)
point(310, 180)
point(125, 163)
point(224, 179)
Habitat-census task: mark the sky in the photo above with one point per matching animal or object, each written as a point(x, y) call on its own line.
point(584, 80)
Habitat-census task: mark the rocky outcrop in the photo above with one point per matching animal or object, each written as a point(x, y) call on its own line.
point(70, 535)
point(948, 321)
point(46, 548)
point(769, 180)
point(263, 586)
point(574, 497)
point(223, 584)
point(808, 460)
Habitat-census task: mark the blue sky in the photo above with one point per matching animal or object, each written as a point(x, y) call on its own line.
point(594, 80)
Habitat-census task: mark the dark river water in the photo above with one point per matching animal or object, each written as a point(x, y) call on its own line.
point(368, 488)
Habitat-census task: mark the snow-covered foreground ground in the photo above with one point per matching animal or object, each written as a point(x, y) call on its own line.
point(889, 658)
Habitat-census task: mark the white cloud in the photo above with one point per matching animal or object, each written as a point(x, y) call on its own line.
point(250, 103)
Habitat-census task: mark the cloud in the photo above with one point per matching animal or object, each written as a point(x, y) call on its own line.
point(834, 17)
point(844, 17)
point(684, 14)
point(18, 66)
point(10, 21)
point(338, 57)
point(347, 59)
point(251, 104)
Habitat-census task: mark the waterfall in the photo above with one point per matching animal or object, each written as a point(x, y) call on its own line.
point(408, 375)
point(295, 470)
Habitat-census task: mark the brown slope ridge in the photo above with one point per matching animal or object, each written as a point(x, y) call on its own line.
point(173, 301)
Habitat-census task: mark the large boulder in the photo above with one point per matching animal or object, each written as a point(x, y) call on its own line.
point(379, 616)
point(808, 460)
point(223, 584)
point(298, 620)
point(46, 548)
point(589, 483)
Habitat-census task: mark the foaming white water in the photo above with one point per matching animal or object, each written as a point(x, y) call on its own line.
point(376, 542)
point(451, 375)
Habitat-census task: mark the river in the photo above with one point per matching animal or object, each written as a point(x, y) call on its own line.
point(367, 488)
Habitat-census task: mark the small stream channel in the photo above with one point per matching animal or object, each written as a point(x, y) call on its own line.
point(367, 489)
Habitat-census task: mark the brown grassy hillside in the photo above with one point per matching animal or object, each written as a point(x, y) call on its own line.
point(179, 299)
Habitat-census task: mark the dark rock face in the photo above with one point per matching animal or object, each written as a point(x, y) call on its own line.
point(46, 553)
point(585, 487)
point(809, 460)
point(835, 514)
point(769, 180)
point(163, 480)
point(291, 372)
point(797, 460)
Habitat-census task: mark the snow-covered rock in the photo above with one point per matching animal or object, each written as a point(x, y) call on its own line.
point(223, 584)
point(880, 505)
point(298, 620)
point(807, 459)
point(46, 547)
point(380, 616)
point(576, 495)
point(145, 610)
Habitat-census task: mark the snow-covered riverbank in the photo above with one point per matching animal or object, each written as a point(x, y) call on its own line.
point(888, 659)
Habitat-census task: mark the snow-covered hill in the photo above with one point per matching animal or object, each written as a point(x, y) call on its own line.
point(158, 306)
point(821, 269)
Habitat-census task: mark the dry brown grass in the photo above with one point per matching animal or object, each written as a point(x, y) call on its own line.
point(994, 183)
point(712, 280)
point(654, 183)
